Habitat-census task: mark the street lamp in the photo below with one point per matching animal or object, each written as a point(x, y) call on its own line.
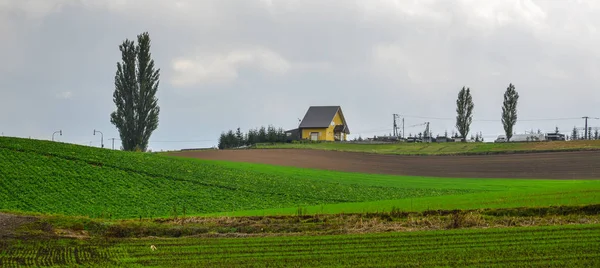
point(60, 131)
point(101, 137)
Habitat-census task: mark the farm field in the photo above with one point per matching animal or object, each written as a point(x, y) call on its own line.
point(555, 165)
point(549, 246)
point(77, 180)
point(451, 148)
point(333, 217)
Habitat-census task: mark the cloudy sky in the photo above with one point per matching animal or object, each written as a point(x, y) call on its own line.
point(246, 63)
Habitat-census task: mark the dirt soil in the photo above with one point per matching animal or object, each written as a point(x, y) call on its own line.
point(9, 223)
point(555, 165)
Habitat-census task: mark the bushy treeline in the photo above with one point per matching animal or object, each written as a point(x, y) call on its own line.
point(235, 139)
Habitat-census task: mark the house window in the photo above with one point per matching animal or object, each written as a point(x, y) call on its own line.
point(314, 136)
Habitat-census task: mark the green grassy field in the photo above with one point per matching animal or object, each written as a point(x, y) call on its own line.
point(442, 148)
point(54, 178)
point(49, 177)
point(551, 246)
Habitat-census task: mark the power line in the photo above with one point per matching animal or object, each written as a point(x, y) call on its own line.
point(183, 141)
point(493, 120)
point(373, 131)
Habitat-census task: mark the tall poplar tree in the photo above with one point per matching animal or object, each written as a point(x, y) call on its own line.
point(509, 110)
point(464, 112)
point(136, 83)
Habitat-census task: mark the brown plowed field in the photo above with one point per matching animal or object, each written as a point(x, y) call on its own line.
point(557, 165)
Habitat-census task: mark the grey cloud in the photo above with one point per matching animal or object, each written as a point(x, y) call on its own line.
point(372, 57)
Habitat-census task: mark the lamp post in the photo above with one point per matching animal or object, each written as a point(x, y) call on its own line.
point(60, 131)
point(101, 138)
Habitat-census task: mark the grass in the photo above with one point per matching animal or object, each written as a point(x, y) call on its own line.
point(56, 178)
point(333, 218)
point(77, 180)
point(548, 246)
point(451, 148)
point(483, 193)
point(300, 224)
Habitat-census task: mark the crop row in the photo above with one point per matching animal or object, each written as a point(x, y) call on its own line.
point(61, 252)
point(543, 246)
point(78, 180)
point(556, 246)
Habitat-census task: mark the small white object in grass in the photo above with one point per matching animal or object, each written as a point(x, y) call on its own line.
point(153, 247)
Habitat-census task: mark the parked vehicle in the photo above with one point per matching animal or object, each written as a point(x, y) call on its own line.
point(522, 138)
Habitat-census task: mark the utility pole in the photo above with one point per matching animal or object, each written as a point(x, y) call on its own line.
point(113, 143)
point(426, 134)
point(403, 128)
point(395, 126)
point(586, 125)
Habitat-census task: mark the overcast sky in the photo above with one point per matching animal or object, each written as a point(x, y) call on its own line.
point(246, 63)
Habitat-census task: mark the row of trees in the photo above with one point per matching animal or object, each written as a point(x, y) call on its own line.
point(465, 105)
point(270, 134)
point(580, 135)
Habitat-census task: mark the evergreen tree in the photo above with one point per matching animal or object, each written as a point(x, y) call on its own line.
point(596, 134)
point(589, 133)
point(231, 139)
point(509, 110)
point(248, 138)
point(239, 138)
point(262, 135)
point(464, 112)
point(255, 136)
point(281, 135)
point(574, 134)
point(271, 134)
point(136, 83)
point(556, 130)
point(222, 141)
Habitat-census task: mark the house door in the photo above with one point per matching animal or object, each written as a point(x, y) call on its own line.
point(314, 136)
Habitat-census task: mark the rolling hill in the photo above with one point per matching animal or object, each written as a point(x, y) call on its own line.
point(57, 178)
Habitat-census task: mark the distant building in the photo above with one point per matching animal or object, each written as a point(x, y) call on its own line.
point(444, 139)
point(321, 123)
point(292, 135)
point(555, 137)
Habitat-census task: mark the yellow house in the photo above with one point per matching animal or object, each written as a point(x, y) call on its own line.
point(324, 123)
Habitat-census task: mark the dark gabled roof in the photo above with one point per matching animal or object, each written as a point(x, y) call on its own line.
point(320, 117)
